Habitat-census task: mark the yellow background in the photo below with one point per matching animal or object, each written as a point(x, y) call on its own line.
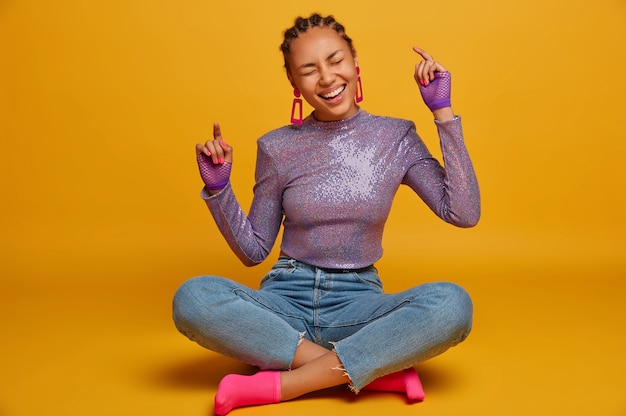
point(101, 104)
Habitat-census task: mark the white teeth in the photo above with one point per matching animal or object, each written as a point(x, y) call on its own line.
point(335, 93)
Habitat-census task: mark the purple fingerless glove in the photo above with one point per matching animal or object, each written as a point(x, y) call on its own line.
point(436, 94)
point(215, 177)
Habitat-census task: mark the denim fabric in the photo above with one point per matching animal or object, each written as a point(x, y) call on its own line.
point(373, 333)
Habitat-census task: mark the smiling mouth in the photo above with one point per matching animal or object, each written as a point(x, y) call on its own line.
point(333, 93)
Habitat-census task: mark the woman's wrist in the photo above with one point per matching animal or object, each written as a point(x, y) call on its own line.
point(443, 114)
point(213, 191)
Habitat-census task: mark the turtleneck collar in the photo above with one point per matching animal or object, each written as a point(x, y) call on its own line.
point(311, 122)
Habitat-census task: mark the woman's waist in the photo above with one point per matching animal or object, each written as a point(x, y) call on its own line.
point(333, 270)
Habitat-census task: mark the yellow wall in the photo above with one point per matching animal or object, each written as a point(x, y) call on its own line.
point(101, 104)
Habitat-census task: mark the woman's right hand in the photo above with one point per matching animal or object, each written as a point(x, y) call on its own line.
point(215, 160)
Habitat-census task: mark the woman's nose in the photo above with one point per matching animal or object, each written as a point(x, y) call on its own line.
point(326, 76)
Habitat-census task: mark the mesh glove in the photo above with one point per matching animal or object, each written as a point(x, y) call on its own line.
point(436, 94)
point(215, 177)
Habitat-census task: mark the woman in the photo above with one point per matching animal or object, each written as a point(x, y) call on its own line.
point(320, 318)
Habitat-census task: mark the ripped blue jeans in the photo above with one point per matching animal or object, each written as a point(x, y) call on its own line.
point(373, 333)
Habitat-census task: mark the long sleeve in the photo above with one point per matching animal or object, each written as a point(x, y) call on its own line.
point(250, 237)
point(451, 191)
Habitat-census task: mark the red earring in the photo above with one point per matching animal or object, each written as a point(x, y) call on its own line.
point(359, 90)
point(296, 106)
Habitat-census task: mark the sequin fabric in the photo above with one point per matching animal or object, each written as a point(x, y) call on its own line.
point(331, 186)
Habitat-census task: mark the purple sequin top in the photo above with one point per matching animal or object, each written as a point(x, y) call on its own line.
point(331, 185)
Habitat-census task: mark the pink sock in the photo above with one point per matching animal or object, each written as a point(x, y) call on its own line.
point(236, 390)
point(405, 381)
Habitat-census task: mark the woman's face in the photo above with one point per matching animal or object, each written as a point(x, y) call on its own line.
point(322, 67)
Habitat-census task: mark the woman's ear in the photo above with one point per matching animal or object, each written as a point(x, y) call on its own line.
point(290, 78)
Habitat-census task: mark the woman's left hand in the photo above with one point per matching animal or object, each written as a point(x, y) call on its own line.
point(425, 70)
point(434, 81)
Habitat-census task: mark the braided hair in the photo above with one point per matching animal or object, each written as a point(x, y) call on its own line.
point(303, 24)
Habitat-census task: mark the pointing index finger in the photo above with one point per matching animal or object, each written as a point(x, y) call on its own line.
point(423, 53)
point(217, 131)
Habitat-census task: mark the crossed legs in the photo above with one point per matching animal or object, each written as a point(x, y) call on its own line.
point(432, 318)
